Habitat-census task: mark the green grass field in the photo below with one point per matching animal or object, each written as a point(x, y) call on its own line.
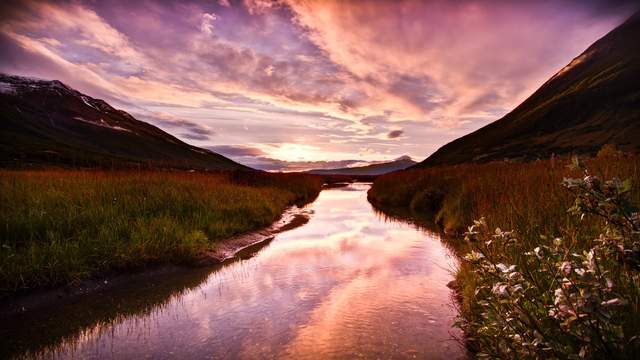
point(60, 226)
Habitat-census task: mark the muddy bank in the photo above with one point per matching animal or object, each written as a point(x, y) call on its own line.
point(292, 218)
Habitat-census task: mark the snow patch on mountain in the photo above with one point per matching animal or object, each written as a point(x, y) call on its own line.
point(102, 123)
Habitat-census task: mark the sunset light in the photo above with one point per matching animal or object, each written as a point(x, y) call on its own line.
point(320, 179)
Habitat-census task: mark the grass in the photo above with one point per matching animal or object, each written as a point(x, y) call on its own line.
point(523, 196)
point(527, 198)
point(60, 226)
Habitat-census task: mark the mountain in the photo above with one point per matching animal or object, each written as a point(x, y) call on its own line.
point(47, 122)
point(594, 100)
point(400, 163)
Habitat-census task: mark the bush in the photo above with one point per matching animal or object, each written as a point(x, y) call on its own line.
point(558, 300)
point(608, 151)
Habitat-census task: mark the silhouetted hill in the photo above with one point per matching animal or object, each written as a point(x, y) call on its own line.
point(594, 100)
point(47, 122)
point(400, 163)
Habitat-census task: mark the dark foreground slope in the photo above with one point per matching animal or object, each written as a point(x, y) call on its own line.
point(46, 122)
point(400, 163)
point(595, 100)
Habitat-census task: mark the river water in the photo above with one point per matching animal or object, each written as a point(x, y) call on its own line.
point(348, 284)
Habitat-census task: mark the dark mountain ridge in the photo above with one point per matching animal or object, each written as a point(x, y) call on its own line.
point(594, 100)
point(49, 123)
point(400, 163)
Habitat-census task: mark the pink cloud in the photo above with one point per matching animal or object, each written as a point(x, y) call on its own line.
point(327, 69)
point(443, 60)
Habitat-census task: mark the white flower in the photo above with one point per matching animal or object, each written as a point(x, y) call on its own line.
point(614, 302)
point(590, 263)
point(538, 252)
point(500, 289)
point(565, 310)
point(559, 296)
point(566, 267)
point(514, 275)
point(609, 283)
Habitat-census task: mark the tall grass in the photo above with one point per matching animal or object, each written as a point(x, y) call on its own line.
point(523, 196)
point(535, 292)
point(61, 226)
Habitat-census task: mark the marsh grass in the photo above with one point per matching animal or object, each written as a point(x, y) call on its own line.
point(541, 274)
point(523, 196)
point(61, 226)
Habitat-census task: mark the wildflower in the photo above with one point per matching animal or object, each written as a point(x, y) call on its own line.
point(473, 256)
point(559, 294)
point(609, 283)
point(566, 268)
point(590, 181)
point(591, 263)
point(500, 289)
point(614, 302)
point(557, 241)
point(514, 275)
point(538, 252)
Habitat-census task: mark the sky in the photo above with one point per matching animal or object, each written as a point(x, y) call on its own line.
point(294, 84)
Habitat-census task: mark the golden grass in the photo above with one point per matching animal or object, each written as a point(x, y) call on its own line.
point(523, 196)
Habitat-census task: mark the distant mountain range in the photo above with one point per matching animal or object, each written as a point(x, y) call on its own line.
point(400, 163)
point(594, 100)
point(47, 122)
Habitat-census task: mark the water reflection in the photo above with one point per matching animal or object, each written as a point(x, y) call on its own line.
point(347, 284)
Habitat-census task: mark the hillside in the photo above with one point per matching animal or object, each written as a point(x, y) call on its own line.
point(594, 100)
point(47, 122)
point(400, 163)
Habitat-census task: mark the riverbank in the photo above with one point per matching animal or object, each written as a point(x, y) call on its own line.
point(527, 198)
point(236, 247)
point(275, 302)
point(524, 196)
point(61, 227)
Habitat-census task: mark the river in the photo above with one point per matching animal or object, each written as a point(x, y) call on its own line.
point(350, 283)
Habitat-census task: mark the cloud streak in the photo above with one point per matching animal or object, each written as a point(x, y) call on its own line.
point(341, 77)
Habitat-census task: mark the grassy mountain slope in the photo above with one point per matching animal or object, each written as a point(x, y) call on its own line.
point(592, 101)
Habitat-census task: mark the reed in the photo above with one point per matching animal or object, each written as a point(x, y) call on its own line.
point(60, 226)
point(524, 196)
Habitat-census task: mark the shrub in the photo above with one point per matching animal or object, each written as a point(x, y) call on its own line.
point(608, 151)
point(559, 299)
